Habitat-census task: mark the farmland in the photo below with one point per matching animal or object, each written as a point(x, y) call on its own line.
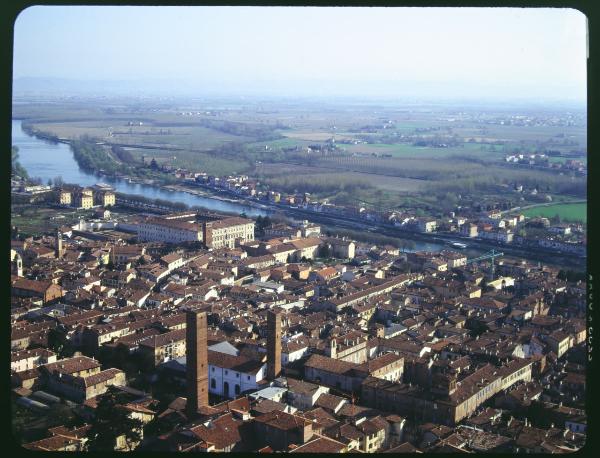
point(381, 154)
point(567, 212)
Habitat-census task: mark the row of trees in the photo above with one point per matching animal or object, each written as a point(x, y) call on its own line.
point(159, 202)
point(319, 184)
point(93, 157)
point(31, 130)
point(123, 155)
point(260, 132)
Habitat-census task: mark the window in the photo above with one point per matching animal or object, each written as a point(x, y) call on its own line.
point(248, 377)
point(226, 372)
point(213, 383)
point(237, 389)
point(213, 369)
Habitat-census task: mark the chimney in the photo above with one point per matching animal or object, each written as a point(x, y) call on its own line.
point(273, 344)
point(196, 361)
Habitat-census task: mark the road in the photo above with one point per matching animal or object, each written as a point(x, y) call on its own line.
point(546, 256)
point(535, 254)
point(340, 221)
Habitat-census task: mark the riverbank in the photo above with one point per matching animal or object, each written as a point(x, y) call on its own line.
point(337, 221)
point(51, 160)
point(437, 239)
point(204, 193)
point(48, 160)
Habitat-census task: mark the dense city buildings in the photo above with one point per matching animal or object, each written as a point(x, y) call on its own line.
point(217, 339)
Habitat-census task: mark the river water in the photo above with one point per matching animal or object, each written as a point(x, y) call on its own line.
point(48, 160)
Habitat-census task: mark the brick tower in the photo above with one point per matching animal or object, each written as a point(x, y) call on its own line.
point(196, 361)
point(58, 245)
point(273, 344)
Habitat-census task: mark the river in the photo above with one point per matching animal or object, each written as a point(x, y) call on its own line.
point(48, 160)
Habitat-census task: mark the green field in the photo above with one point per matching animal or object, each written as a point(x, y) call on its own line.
point(258, 138)
point(567, 212)
point(35, 219)
point(401, 150)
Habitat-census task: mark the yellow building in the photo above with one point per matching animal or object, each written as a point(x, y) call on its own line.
point(64, 197)
point(106, 199)
point(84, 201)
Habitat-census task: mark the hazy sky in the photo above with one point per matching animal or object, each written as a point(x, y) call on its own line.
point(500, 52)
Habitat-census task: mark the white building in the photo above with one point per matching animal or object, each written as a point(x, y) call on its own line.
point(302, 395)
point(293, 350)
point(230, 374)
point(168, 231)
point(30, 359)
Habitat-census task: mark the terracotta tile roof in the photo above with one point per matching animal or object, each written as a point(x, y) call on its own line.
point(283, 421)
point(308, 242)
point(169, 258)
point(221, 432)
point(72, 365)
point(101, 376)
point(283, 248)
point(36, 286)
point(326, 364)
point(234, 363)
point(330, 401)
point(267, 405)
point(230, 222)
point(405, 447)
point(380, 362)
point(351, 432)
point(300, 386)
point(321, 444)
point(33, 353)
point(160, 340)
point(53, 443)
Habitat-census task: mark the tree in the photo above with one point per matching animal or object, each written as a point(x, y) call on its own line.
point(17, 168)
point(60, 344)
point(61, 414)
point(112, 421)
point(324, 251)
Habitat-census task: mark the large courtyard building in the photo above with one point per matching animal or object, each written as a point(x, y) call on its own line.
point(216, 233)
point(169, 230)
